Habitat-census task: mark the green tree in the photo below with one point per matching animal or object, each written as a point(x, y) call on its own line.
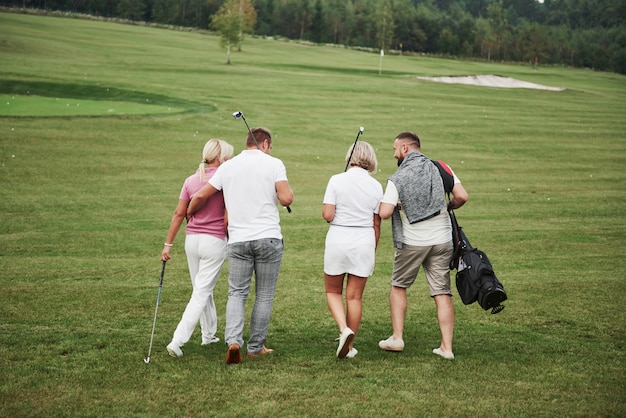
point(292, 18)
point(364, 33)
point(404, 19)
point(485, 39)
point(131, 9)
point(335, 13)
point(530, 42)
point(317, 22)
point(428, 21)
point(617, 49)
point(232, 20)
point(464, 28)
point(499, 24)
point(247, 19)
point(304, 17)
point(264, 15)
point(448, 42)
point(160, 11)
point(560, 46)
point(385, 25)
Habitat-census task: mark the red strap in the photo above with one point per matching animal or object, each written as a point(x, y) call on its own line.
point(445, 167)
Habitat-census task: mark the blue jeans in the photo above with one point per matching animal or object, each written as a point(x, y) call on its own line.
point(263, 257)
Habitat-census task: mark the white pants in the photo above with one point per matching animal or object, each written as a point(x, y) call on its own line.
point(205, 256)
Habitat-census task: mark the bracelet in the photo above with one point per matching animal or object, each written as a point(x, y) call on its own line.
point(168, 245)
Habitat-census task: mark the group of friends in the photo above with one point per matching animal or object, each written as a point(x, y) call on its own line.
point(232, 209)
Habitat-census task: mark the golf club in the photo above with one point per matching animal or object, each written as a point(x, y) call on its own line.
point(361, 129)
point(239, 115)
point(147, 360)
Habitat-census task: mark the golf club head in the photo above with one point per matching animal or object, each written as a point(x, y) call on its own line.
point(361, 129)
point(146, 360)
point(239, 115)
point(497, 308)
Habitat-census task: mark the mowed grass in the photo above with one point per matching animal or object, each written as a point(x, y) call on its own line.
point(47, 106)
point(86, 201)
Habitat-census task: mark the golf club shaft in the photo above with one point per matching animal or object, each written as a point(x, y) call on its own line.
point(250, 130)
point(156, 310)
point(353, 147)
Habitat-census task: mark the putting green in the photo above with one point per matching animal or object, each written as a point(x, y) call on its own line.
point(38, 106)
point(19, 98)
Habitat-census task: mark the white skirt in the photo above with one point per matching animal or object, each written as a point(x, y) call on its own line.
point(350, 250)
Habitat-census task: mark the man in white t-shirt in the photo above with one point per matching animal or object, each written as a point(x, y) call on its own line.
point(422, 235)
point(254, 184)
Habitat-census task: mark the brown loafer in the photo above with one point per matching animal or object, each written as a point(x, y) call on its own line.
point(263, 351)
point(233, 355)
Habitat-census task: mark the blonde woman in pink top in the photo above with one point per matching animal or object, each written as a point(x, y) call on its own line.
point(205, 246)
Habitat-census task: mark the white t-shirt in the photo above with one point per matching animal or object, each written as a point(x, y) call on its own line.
point(356, 196)
point(433, 231)
point(248, 182)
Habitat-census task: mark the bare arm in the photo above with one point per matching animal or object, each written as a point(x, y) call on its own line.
point(377, 228)
point(459, 197)
point(386, 210)
point(177, 220)
point(328, 212)
point(199, 199)
point(284, 193)
point(226, 222)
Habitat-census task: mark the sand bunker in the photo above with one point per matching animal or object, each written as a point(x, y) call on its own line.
point(491, 81)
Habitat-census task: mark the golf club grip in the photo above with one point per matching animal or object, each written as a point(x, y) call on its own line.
point(162, 273)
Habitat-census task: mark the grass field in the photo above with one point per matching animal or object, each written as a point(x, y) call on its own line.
point(87, 197)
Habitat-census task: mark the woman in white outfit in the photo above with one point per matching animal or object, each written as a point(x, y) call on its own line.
point(351, 206)
point(205, 246)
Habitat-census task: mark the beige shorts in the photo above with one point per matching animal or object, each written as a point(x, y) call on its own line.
point(436, 262)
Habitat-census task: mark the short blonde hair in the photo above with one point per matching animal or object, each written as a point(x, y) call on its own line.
point(215, 149)
point(363, 156)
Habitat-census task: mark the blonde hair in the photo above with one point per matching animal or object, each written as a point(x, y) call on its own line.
point(215, 149)
point(363, 156)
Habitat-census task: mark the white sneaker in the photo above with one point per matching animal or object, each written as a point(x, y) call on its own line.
point(174, 350)
point(345, 339)
point(391, 344)
point(211, 340)
point(352, 353)
point(448, 355)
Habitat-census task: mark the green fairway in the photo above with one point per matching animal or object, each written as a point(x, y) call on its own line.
point(87, 196)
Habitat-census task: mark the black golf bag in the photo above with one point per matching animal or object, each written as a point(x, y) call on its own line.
point(475, 278)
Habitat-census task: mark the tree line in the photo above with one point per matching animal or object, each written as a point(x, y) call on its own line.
point(579, 33)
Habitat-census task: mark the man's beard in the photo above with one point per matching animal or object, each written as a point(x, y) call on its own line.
point(400, 161)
